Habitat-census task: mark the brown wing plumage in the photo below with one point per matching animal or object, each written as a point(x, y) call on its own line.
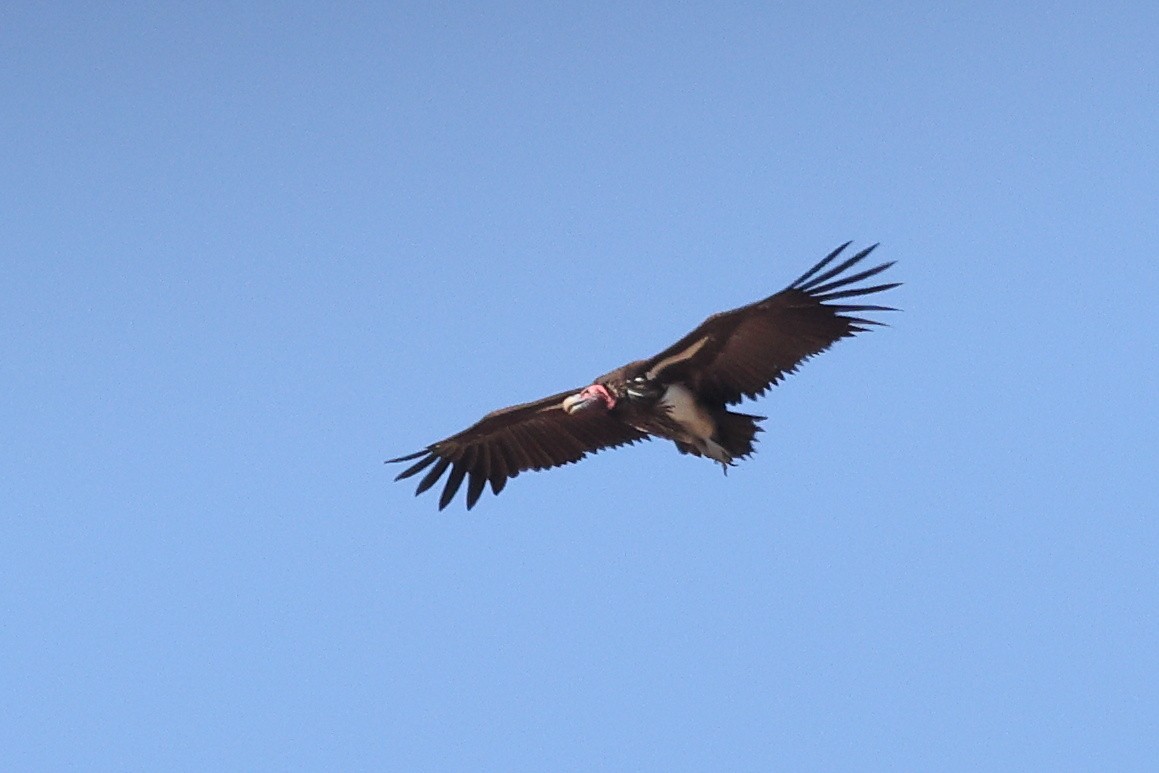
point(504, 443)
point(741, 353)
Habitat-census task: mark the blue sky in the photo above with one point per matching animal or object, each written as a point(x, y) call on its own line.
point(250, 252)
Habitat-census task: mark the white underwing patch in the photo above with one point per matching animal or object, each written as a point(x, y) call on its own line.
point(678, 357)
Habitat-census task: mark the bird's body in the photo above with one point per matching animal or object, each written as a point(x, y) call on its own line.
point(673, 411)
point(682, 394)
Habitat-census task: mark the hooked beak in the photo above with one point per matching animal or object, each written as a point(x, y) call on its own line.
point(595, 394)
point(579, 402)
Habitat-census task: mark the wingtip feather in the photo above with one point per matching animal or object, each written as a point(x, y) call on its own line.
point(433, 475)
point(820, 265)
point(418, 466)
point(408, 457)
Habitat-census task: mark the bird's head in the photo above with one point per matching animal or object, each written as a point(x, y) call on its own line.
point(594, 396)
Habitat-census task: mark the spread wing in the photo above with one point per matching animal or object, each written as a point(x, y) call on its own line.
point(743, 352)
point(504, 443)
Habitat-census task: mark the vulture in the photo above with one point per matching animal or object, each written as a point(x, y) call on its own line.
point(682, 394)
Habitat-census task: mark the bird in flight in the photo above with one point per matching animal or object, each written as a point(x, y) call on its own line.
point(681, 394)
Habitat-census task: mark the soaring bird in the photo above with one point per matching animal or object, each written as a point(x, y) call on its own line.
point(681, 394)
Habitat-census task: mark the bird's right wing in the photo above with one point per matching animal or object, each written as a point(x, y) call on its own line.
point(532, 436)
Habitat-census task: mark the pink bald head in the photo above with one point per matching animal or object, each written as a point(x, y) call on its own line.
point(590, 397)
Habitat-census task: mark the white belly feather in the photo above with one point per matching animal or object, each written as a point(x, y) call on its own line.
point(683, 409)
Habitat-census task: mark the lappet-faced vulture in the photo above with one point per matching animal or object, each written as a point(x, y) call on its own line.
point(681, 394)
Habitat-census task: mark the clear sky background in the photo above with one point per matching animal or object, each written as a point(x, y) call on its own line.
point(251, 251)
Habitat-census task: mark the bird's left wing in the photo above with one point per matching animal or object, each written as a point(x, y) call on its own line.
point(741, 353)
point(532, 436)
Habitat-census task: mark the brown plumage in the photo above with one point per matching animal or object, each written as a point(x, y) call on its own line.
point(680, 394)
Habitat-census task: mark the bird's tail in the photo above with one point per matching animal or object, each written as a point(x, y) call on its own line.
point(734, 438)
point(736, 432)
